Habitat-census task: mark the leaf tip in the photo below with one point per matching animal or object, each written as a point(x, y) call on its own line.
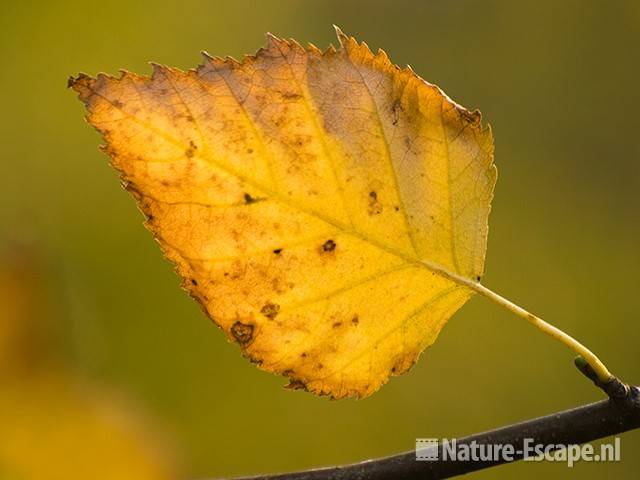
point(82, 84)
point(311, 48)
point(342, 38)
point(273, 40)
point(77, 81)
point(157, 68)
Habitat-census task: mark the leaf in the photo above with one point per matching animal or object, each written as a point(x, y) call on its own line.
point(325, 208)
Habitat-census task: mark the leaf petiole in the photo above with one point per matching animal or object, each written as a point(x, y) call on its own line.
point(594, 362)
point(600, 370)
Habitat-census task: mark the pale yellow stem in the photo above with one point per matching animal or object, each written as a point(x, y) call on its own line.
point(594, 362)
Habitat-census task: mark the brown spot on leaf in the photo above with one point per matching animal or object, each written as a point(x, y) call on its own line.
point(329, 246)
point(374, 207)
point(270, 310)
point(277, 251)
point(242, 332)
point(474, 117)
point(355, 320)
point(248, 199)
point(296, 384)
point(191, 149)
point(337, 324)
point(396, 109)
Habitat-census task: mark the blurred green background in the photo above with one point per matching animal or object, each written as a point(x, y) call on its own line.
point(558, 82)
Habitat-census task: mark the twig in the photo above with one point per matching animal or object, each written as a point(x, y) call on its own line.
point(620, 413)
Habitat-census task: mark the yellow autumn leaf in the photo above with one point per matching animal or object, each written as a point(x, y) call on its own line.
point(327, 209)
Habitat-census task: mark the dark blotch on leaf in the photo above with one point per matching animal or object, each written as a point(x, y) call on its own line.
point(242, 332)
point(355, 320)
point(191, 150)
point(248, 199)
point(270, 310)
point(296, 384)
point(329, 246)
point(375, 207)
point(194, 281)
point(277, 251)
point(396, 108)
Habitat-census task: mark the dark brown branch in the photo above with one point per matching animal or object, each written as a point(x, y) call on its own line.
point(576, 426)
